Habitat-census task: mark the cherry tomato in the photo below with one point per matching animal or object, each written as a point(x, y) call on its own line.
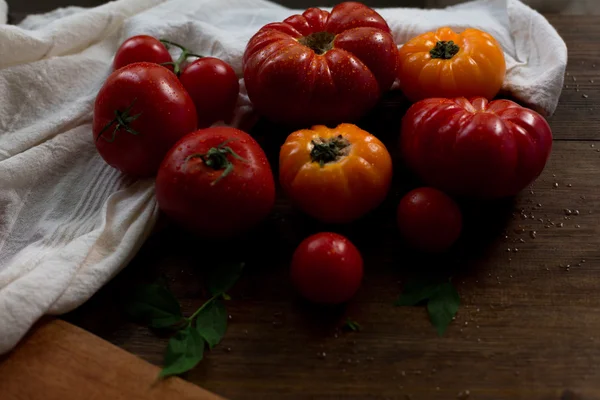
point(216, 182)
point(336, 175)
point(214, 87)
point(429, 220)
point(141, 48)
point(327, 268)
point(140, 112)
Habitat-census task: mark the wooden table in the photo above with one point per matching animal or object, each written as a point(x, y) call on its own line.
point(529, 326)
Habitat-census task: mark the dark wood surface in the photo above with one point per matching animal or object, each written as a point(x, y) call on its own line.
point(529, 326)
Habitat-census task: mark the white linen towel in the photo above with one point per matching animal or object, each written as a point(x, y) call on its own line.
point(68, 222)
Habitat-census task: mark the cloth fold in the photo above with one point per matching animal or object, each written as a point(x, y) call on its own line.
point(69, 222)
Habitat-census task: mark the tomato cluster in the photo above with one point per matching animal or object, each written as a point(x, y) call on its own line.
point(314, 69)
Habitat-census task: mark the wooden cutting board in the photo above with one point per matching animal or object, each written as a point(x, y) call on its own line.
point(58, 361)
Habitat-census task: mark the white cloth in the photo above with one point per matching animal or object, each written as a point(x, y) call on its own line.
point(68, 222)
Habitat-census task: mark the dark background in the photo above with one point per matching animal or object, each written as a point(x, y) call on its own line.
point(19, 8)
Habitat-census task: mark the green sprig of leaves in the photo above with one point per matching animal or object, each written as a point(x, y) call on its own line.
point(442, 301)
point(155, 306)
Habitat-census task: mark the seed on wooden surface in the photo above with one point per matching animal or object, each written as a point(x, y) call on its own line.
point(591, 81)
point(508, 251)
point(516, 250)
point(577, 226)
point(583, 260)
point(322, 355)
point(464, 395)
point(576, 212)
point(560, 225)
point(585, 96)
point(466, 323)
point(533, 234)
point(592, 145)
point(574, 79)
point(555, 184)
point(569, 185)
point(521, 240)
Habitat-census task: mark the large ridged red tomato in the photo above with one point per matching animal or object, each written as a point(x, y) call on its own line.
point(321, 67)
point(475, 148)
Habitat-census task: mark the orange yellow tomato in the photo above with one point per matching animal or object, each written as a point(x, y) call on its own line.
point(336, 175)
point(449, 64)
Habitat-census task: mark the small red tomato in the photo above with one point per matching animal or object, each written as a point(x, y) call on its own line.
point(216, 182)
point(327, 268)
point(140, 112)
point(214, 87)
point(141, 48)
point(429, 220)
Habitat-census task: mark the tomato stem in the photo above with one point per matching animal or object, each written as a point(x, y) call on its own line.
point(185, 54)
point(444, 50)
point(122, 120)
point(329, 150)
point(319, 42)
point(217, 159)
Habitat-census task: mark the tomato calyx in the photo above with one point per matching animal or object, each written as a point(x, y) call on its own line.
point(217, 159)
point(319, 42)
point(329, 150)
point(185, 54)
point(122, 120)
point(444, 50)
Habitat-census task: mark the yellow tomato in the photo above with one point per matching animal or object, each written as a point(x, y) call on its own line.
point(335, 175)
point(449, 64)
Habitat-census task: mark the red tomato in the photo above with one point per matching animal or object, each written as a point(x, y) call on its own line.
point(214, 87)
point(216, 182)
point(327, 268)
point(141, 48)
point(321, 67)
point(475, 148)
point(140, 112)
point(429, 220)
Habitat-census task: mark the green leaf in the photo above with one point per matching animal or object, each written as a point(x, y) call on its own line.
point(211, 322)
point(442, 307)
point(352, 325)
point(184, 351)
point(417, 292)
point(224, 277)
point(155, 305)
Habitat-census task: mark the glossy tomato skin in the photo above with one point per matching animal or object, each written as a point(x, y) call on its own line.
point(477, 69)
point(475, 148)
point(429, 220)
point(342, 190)
point(289, 82)
point(165, 113)
point(141, 48)
point(327, 268)
point(214, 87)
point(205, 202)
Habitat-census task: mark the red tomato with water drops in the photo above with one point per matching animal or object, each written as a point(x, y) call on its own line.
point(214, 87)
point(321, 67)
point(429, 220)
point(474, 147)
point(141, 48)
point(140, 112)
point(327, 268)
point(216, 182)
